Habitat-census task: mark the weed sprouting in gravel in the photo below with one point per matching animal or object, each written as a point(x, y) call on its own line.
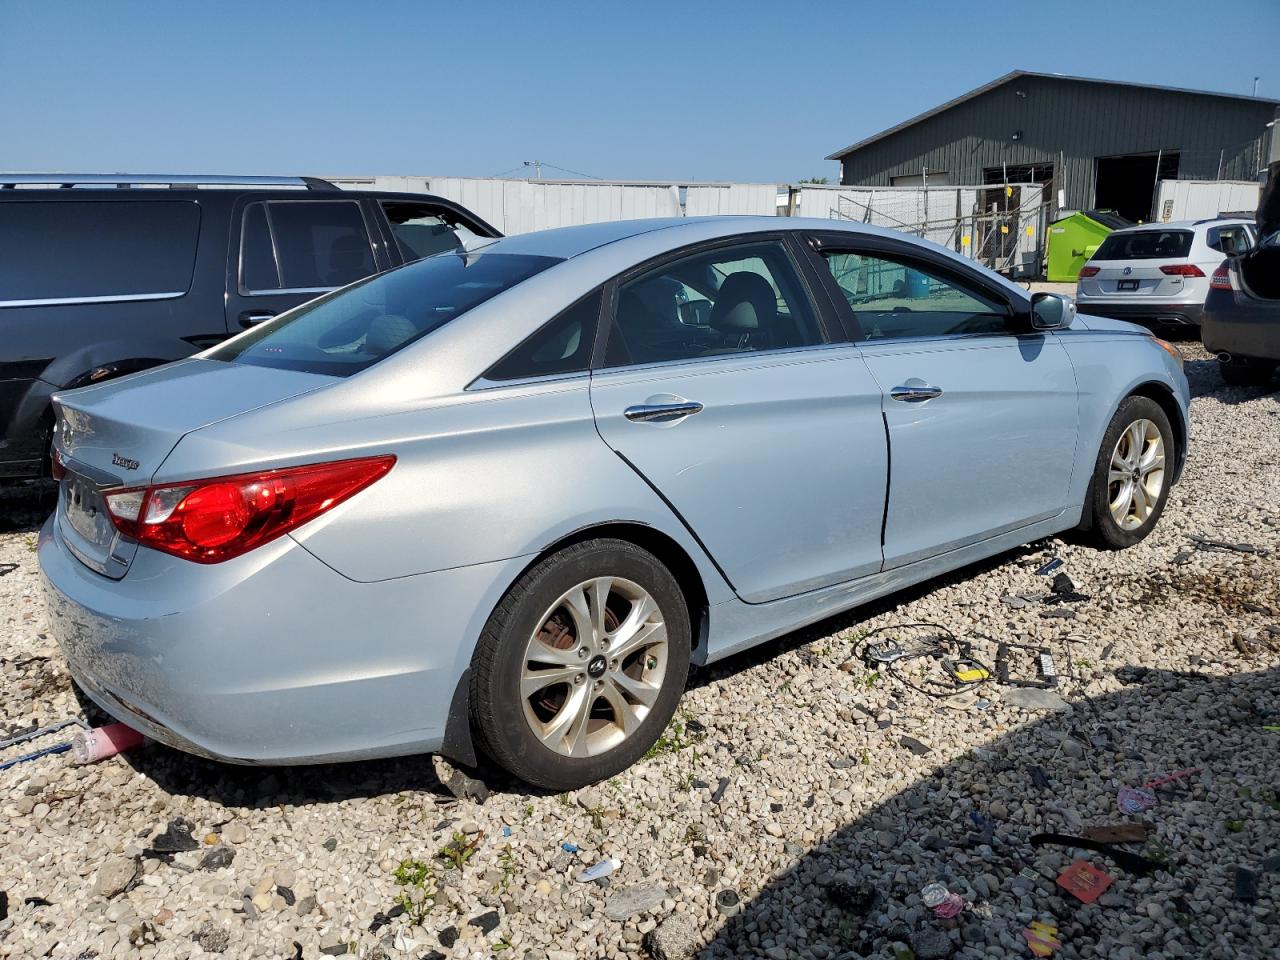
point(459, 850)
point(417, 880)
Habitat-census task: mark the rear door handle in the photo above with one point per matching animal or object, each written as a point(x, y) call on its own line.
point(661, 412)
point(916, 392)
point(248, 320)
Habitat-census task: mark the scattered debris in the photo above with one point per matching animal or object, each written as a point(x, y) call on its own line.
point(1039, 779)
point(486, 923)
point(941, 901)
point(1049, 567)
point(1064, 591)
point(1030, 698)
point(718, 793)
point(918, 747)
point(36, 755)
point(466, 788)
point(1013, 670)
point(90, 746)
point(1118, 833)
point(4, 906)
point(1042, 938)
point(962, 671)
point(1130, 862)
point(37, 902)
point(1220, 546)
point(568, 847)
point(37, 732)
point(627, 902)
point(1083, 881)
point(176, 837)
point(601, 869)
point(1246, 890)
point(7, 568)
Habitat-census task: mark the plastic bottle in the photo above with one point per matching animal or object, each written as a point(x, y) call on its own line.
point(90, 746)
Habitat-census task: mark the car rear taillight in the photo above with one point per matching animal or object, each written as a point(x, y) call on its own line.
point(1221, 279)
point(57, 468)
point(1182, 270)
point(1089, 271)
point(209, 521)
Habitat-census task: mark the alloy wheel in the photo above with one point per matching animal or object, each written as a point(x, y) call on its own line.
point(1136, 476)
point(594, 667)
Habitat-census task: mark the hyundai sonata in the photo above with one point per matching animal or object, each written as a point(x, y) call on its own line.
point(502, 498)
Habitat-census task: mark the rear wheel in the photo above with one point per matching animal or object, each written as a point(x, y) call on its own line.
point(1246, 371)
point(1132, 475)
point(581, 665)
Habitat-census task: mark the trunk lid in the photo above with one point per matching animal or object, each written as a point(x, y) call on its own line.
point(116, 434)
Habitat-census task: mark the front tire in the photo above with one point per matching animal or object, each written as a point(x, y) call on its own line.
point(580, 667)
point(1132, 475)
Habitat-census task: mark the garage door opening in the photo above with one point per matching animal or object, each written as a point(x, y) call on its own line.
point(1127, 184)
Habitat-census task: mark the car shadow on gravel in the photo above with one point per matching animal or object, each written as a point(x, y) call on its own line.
point(968, 824)
point(25, 505)
point(1206, 381)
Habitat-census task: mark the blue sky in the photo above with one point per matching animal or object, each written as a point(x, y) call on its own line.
point(711, 91)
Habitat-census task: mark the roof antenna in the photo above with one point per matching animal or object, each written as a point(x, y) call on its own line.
point(1255, 85)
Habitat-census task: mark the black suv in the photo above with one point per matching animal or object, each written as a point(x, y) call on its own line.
point(105, 275)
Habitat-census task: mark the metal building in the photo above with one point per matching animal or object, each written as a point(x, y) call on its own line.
point(1102, 143)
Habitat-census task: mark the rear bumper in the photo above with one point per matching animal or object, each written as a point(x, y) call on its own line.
point(272, 657)
point(1171, 314)
point(1241, 329)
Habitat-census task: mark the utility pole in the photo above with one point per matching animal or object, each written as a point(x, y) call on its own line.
point(537, 168)
point(1255, 85)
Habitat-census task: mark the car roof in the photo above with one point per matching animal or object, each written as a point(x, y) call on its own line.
point(1181, 224)
point(568, 242)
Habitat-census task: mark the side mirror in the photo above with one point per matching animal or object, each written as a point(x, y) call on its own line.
point(1051, 311)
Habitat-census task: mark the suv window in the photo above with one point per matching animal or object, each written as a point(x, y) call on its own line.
point(305, 245)
point(419, 230)
point(1145, 245)
point(729, 300)
point(85, 250)
point(1230, 240)
point(891, 299)
point(355, 328)
point(562, 346)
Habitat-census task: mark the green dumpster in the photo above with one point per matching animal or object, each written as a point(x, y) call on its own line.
point(1073, 239)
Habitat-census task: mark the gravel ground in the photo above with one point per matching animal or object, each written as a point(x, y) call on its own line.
point(796, 809)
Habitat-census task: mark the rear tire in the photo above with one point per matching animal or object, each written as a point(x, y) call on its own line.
point(1131, 477)
point(567, 690)
point(1246, 372)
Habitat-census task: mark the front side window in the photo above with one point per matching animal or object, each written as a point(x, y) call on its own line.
point(892, 299)
point(738, 299)
point(1145, 245)
point(84, 250)
point(355, 328)
point(419, 230)
point(303, 245)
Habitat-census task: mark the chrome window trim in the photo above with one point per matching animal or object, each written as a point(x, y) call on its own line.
point(764, 355)
point(112, 298)
point(245, 291)
point(481, 384)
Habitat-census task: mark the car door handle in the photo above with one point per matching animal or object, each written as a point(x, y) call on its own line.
point(915, 393)
point(248, 320)
point(660, 412)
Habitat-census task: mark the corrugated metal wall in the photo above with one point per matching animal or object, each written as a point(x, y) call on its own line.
point(519, 206)
point(1077, 122)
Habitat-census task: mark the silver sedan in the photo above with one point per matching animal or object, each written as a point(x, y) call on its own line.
point(505, 497)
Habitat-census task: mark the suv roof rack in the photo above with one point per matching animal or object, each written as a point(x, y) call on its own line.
point(67, 181)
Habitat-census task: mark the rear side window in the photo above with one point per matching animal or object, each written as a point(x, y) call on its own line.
point(355, 328)
point(419, 230)
point(562, 346)
point(1230, 240)
point(303, 245)
point(70, 251)
point(1145, 245)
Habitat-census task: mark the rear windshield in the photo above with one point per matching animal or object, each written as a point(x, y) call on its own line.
point(354, 328)
point(84, 251)
point(1145, 245)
